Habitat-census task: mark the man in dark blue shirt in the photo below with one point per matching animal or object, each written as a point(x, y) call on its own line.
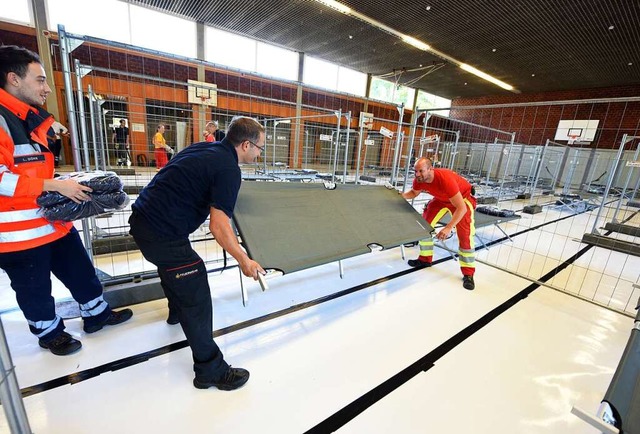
point(121, 142)
point(199, 182)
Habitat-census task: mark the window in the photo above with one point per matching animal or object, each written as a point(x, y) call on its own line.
point(18, 12)
point(228, 49)
point(427, 100)
point(387, 91)
point(351, 81)
point(327, 75)
point(277, 62)
point(118, 21)
point(162, 32)
point(73, 15)
point(320, 73)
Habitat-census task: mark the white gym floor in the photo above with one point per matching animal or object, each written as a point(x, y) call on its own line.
point(521, 373)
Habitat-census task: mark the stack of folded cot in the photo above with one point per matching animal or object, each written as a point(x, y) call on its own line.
point(107, 196)
point(495, 211)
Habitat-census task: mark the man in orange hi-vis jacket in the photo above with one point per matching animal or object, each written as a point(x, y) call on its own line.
point(31, 248)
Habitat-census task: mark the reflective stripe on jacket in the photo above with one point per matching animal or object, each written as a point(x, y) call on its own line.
point(25, 162)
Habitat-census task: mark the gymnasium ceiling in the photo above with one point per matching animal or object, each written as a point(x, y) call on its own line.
point(533, 45)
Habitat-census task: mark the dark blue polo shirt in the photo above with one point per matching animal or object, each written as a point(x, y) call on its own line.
point(178, 199)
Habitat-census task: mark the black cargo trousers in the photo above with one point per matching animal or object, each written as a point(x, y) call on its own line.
point(184, 280)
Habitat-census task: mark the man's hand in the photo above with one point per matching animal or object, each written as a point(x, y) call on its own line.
point(251, 268)
point(444, 233)
point(68, 188)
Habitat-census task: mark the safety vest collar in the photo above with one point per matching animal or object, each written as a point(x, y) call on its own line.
point(19, 108)
point(37, 120)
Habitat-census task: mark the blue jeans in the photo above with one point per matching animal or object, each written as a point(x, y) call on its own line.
point(30, 274)
point(183, 278)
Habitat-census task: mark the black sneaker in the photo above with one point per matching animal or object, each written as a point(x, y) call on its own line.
point(61, 345)
point(113, 319)
point(173, 319)
point(467, 282)
point(233, 379)
point(417, 263)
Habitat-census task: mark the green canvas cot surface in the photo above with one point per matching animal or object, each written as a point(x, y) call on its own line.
point(294, 226)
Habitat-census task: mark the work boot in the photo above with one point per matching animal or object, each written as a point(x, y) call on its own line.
point(233, 379)
point(467, 282)
point(417, 263)
point(113, 319)
point(61, 345)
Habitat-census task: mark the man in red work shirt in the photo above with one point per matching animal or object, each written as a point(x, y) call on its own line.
point(451, 193)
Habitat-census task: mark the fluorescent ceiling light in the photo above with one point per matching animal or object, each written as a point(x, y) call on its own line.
point(335, 5)
point(413, 41)
point(485, 76)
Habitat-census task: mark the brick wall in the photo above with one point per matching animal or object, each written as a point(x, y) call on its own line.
point(535, 124)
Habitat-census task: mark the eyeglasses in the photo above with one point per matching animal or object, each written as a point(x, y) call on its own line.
point(259, 147)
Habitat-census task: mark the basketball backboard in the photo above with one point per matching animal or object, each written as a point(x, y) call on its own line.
point(577, 131)
point(202, 93)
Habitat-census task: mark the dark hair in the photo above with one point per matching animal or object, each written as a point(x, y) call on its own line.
point(244, 128)
point(15, 59)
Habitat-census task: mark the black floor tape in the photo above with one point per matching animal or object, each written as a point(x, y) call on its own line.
point(352, 410)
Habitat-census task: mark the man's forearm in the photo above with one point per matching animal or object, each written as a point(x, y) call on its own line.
point(226, 237)
point(458, 215)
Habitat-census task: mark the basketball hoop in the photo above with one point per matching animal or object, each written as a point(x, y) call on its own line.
point(204, 99)
point(572, 138)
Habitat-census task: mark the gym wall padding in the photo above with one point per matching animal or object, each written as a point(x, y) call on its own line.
point(292, 226)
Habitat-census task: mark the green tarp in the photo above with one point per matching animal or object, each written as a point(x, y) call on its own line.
point(293, 226)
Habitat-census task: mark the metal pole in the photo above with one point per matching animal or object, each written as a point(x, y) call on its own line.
point(399, 157)
point(275, 124)
point(71, 116)
point(484, 158)
point(264, 157)
point(424, 134)
point(82, 119)
point(306, 147)
point(455, 150)
point(506, 167)
point(532, 166)
point(493, 156)
point(398, 144)
point(594, 230)
point(100, 164)
point(105, 157)
point(10, 395)
point(73, 127)
point(537, 176)
point(572, 168)
point(335, 156)
point(635, 190)
point(469, 165)
point(412, 137)
point(346, 148)
point(103, 139)
point(626, 184)
point(556, 172)
point(593, 170)
point(360, 141)
point(94, 133)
